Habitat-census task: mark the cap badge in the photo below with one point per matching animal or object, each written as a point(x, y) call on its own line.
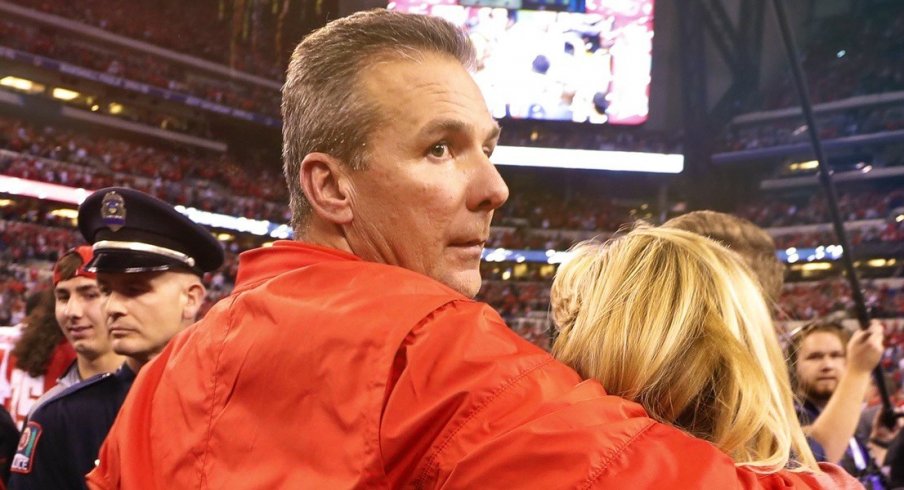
point(113, 211)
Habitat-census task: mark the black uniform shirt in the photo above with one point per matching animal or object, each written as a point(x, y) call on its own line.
point(62, 438)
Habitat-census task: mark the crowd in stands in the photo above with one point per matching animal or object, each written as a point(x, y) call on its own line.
point(891, 231)
point(813, 300)
point(31, 239)
point(548, 211)
point(512, 238)
point(209, 182)
point(165, 24)
point(846, 59)
point(514, 299)
point(23, 243)
point(811, 208)
point(137, 66)
point(851, 122)
point(539, 219)
point(213, 182)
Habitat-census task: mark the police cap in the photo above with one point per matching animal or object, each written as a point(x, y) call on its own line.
point(134, 232)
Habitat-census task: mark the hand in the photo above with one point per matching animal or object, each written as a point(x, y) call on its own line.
point(865, 348)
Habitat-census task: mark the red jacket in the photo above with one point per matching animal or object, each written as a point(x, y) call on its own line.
point(324, 371)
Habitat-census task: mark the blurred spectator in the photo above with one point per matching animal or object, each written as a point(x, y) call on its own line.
point(41, 355)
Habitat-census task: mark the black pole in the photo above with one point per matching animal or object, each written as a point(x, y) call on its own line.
point(825, 178)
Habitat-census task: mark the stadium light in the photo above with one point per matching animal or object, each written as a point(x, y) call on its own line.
point(808, 165)
point(620, 161)
point(68, 213)
point(880, 262)
point(237, 223)
point(813, 266)
point(17, 83)
point(42, 190)
point(64, 94)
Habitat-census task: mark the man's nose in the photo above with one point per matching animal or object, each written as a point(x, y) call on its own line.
point(490, 190)
point(113, 306)
point(73, 308)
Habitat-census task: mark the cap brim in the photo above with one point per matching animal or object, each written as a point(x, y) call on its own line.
point(130, 261)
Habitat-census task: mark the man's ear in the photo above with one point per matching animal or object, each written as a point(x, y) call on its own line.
point(324, 182)
point(194, 299)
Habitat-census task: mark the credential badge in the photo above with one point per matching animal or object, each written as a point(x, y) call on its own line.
point(113, 211)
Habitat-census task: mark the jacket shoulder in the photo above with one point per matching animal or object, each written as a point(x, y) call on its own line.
point(75, 392)
point(97, 398)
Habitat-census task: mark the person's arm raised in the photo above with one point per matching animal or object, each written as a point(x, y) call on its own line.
point(836, 424)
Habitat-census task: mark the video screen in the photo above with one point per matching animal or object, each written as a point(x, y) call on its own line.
point(557, 60)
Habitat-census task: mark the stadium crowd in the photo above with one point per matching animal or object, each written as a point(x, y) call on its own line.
point(210, 182)
point(32, 235)
point(814, 300)
point(137, 66)
point(850, 122)
point(891, 231)
point(849, 62)
point(810, 208)
point(533, 218)
point(164, 25)
point(840, 64)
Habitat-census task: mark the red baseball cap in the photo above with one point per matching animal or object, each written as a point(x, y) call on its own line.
point(86, 255)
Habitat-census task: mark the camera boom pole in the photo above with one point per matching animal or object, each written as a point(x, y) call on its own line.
point(888, 415)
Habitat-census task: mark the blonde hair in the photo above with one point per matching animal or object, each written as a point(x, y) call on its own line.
point(676, 322)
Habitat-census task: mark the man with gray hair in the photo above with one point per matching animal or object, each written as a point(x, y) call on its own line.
point(355, 356)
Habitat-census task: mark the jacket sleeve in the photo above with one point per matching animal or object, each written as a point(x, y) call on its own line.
point(472, 404)
point(41, 460)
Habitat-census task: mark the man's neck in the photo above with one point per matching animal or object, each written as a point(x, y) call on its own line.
point(325, 235)
point(107, 363)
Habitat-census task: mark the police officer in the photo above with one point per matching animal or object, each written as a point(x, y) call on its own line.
point(149, 260)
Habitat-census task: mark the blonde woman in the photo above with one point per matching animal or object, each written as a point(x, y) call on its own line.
point(674, 321)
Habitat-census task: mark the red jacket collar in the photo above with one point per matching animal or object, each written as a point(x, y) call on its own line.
point(262, 263)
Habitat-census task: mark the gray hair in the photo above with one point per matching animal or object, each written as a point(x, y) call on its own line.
point(323, 108)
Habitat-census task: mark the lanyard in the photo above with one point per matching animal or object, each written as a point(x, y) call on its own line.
point(857, 454)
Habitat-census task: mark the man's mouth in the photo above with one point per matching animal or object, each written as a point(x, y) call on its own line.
point(119, 330)
point(79, 332)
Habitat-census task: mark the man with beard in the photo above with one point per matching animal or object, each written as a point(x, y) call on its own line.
point(832, 380)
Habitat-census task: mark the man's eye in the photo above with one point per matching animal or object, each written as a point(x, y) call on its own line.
point(439, 150)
